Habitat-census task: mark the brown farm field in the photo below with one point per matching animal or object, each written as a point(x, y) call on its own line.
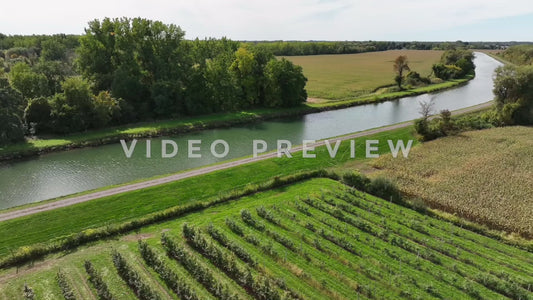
point(485, 176)
point(351, 75)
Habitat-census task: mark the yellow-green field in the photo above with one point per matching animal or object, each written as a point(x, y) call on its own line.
point(352, 75)
point(485, 176)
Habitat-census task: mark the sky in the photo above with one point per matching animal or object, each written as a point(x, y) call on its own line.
point(406, 20)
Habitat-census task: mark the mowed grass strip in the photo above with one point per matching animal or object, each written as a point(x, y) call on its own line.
point(485, 176)
point(398, 254)
point(352, 75)
point(58, 223)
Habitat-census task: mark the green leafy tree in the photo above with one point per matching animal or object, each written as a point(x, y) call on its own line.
point(286, 84)
point(27, 82)
point(11, 107)
point(243, 68)
point(55, 73)
point(129, 56)
point(107, 110)
point(513, 88)
point(73, 109)
point(401, 65)
point(38, 115)
point(53, 49)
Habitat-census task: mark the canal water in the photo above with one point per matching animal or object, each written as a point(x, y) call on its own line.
point(63, 173)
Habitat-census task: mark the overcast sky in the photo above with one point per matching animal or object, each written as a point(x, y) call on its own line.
point(467, 20)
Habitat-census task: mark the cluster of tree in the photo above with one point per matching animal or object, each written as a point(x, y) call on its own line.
point(520, 54)
point(513, 88)
point(290, 48)
point(454, 64)
point(30, 72)
point(159, 75)
point(128, 70)
point(11, 110)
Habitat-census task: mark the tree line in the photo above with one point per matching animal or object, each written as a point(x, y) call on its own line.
point(128, 70)
point(291, 48)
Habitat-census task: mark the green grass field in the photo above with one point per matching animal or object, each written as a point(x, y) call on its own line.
point(316, 239)
point(353, 75)
point(61, 222)
point(484, 176)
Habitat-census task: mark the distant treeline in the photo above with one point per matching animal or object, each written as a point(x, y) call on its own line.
point(291, 48)
point(519, 55)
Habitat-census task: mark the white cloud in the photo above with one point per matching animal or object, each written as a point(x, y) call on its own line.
point(273, 19)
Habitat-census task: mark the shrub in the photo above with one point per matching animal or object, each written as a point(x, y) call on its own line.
point(96, 280)
point(356, 180)
point(248, 219)
point(65, 287)
point(28, 293)
point(385, 189)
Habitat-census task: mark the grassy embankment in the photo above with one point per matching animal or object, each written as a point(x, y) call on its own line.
point(376, 66)
point(316, 239)
point(61, 222)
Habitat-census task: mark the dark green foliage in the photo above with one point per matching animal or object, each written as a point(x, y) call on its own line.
point(267, 215)
point(38, 115)
point(454, 64)
point(159, 74)
point(133, 279)
point(11, 108)
point(53, 49)
point(98, 283)
point(234, 227)
point(73, 109)
point(356, 180)
point(385, 189)
point(286, 84)
point(291, 48)
point(414, 79)
point(444, 124)
point(446, 72)
point(248, 219)
point(65, 287)
point(172, 280)
point(29, 83)
point(513, 88)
